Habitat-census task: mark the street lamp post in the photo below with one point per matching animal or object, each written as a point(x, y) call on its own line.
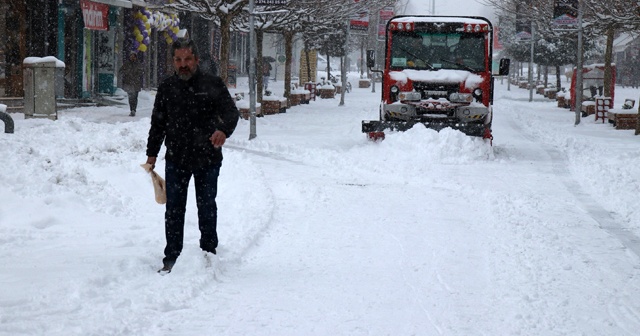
point(252, 72)
point(579, 66)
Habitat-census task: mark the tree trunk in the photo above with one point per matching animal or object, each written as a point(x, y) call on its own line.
point(328, 64)
point(225, 39)
point(16, 44)
point(259, 64)
point(288, 54)
point(638, 122)
point(608, 56)
point(558, 79)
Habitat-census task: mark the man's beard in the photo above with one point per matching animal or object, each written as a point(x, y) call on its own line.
point(185, 73)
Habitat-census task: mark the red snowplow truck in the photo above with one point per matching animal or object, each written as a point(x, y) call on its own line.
point(437, 72)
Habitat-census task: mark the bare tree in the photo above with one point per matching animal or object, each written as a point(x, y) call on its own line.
point(221, 12)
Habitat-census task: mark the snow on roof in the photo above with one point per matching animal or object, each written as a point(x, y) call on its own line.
point(622, 41)
point(450, 19)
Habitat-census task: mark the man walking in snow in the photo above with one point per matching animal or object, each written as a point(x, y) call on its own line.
point(266, 73)
point(193, 115)
point(132, 71)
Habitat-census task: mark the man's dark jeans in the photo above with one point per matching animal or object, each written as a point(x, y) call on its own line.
point(206, 185)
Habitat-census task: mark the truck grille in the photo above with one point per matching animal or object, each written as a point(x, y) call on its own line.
point(436, 90)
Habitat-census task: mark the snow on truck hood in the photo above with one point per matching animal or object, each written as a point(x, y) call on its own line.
point(443, 76)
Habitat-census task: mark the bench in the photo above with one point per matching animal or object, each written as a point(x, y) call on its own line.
point(550, 93)
point(274, 105)
point(588, 107)
point(298, 97)
point(243, 108)
point(561, 98)
point(523, 84)
point(327, 91)
point(244, 112)
point(623, 119)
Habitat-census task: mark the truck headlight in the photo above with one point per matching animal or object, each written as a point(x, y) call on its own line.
point(410, 96)
point(458, 97)
point(477, 93)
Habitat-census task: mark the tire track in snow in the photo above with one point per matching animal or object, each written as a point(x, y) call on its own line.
point(623, 312)
point(604, 218)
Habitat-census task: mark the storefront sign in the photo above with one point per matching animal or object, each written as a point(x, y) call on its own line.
point(385, 15)
point(271, 2)
point(565, 12)
point(359, 23)
point(95, 15)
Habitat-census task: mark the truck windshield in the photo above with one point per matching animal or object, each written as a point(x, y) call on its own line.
point(425, 51)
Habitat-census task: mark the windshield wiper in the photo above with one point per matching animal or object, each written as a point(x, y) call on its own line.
point(466, 67)
point(418, 58)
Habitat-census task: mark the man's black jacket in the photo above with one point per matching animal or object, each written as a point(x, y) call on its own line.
point(186, 114)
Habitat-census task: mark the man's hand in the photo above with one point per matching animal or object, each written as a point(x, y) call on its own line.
point(218, 138)
point(152, 161)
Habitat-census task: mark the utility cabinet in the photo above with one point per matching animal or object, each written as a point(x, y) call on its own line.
point(40, 87)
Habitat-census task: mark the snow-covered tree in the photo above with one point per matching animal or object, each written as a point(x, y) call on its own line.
point(221, 12)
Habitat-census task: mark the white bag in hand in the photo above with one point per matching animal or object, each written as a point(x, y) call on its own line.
point(159, 185)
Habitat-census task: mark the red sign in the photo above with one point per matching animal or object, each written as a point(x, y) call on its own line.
point(497, 45)
point(95, 15)
point(385, 15)
point(359, 23)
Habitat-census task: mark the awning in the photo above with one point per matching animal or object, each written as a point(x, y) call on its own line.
point(117, 3)
point(123, 3)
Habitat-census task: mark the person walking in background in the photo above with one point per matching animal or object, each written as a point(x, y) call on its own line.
point(193, 114)
point(204, 63)
point(132, 71)
point(266, 73)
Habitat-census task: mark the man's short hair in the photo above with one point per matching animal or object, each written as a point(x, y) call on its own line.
point(183, 43)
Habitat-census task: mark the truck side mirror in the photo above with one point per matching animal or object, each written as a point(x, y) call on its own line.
point(503, 70)
point(371, 58)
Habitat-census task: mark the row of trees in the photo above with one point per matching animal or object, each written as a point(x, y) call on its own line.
point(553, 47)
point(320, 23)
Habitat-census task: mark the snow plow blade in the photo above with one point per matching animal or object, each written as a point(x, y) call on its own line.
point(376, 126)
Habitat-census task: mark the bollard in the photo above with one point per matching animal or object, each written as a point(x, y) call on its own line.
point(8, 122)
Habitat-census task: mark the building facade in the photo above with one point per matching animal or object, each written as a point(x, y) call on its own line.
point(93, 37)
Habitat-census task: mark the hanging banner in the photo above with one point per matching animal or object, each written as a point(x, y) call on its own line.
point(359, 23)
point(565, 12)
point(95, 15)
point(497, 45)
point(384, 16)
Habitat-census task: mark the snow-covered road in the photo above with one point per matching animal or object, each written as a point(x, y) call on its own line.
point(323, 232)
